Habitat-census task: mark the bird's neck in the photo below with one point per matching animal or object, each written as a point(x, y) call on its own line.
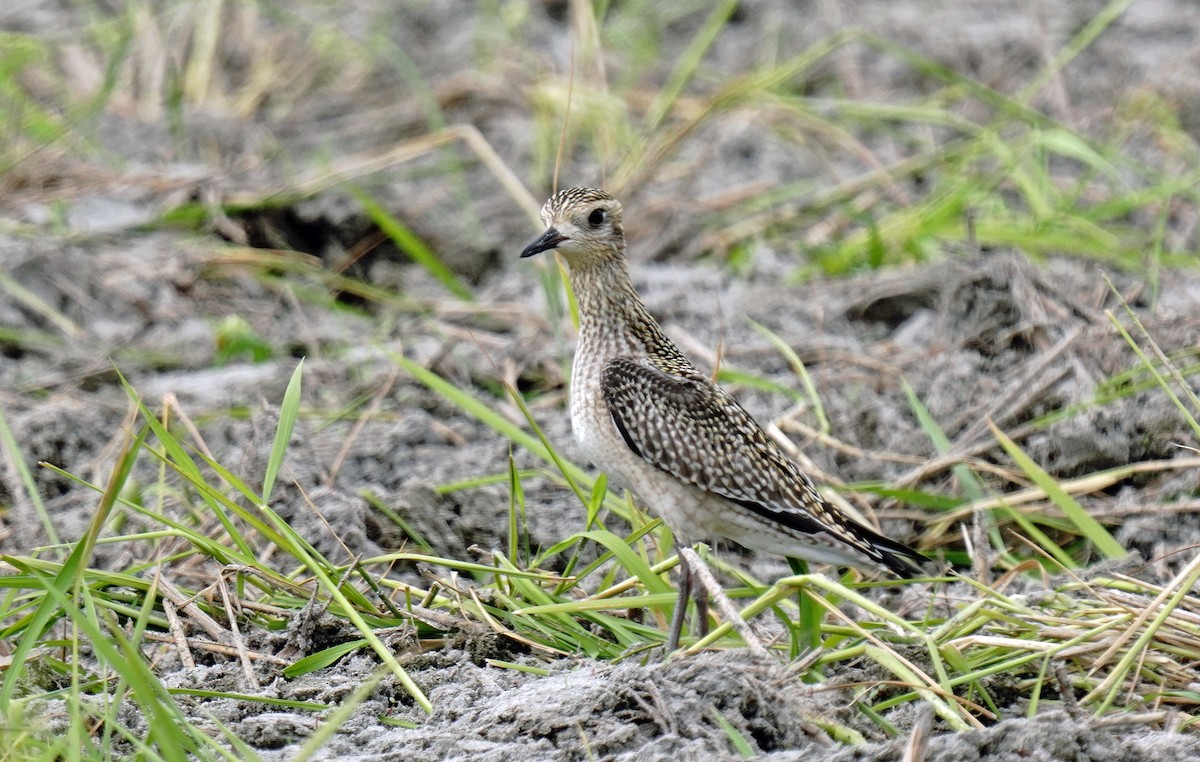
point(604, 292)
point(612, 318)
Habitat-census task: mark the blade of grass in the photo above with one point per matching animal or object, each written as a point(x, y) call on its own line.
point(806, 635)
point(289, 411)
point(970, 484)
point(517, 526)
point(1088, 526)
point(685, 67)
point(1162, 382)
point(326, 657)
point(37, 305)
point(798, 368)
point(410, 244)
point(339, 716)
point(736, 739)
point(17, 462)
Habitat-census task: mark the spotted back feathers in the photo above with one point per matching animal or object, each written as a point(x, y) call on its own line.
point(679, 421)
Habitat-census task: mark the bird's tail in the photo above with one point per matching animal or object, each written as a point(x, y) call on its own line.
point(896, 557)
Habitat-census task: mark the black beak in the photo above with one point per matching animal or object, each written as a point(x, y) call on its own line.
point(548, 240)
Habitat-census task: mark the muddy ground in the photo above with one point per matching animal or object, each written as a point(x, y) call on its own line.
point(977, 334)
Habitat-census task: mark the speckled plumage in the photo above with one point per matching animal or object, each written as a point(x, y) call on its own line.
point(645, 415)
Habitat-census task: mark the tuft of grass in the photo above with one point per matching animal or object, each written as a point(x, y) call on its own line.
point(30, 124)
point(92, 603)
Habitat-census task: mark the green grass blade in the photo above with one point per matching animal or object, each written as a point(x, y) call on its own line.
point(339, 717)
point(736, 739)
point(806, 634)
point(941, 443)
point(9, 443)
point(289, 411)
point(322, 659)
point(1158, 377)
point(34, 303)
point(798, 368)
point(629, 560)
point(410, 244)
point(1088, 526)
point(685, 67)
point(516, 509)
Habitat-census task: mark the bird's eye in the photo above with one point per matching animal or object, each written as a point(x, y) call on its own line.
point(596, 218)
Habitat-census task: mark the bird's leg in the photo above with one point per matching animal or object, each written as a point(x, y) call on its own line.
point(681, 602)
point(688, 588)
point(700, 593)
point(705, 585)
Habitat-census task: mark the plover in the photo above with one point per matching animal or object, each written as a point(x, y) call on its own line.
point(645, 415)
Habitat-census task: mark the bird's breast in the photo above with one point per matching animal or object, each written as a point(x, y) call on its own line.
point(591, 421)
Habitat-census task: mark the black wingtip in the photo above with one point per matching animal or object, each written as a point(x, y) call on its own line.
point(902, 560)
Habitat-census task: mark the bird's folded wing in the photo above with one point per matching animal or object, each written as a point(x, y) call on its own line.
point(682, 423)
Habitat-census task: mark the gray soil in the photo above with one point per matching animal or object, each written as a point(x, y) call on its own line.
point(977, 335)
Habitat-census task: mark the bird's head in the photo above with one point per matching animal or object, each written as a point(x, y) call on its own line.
point(584, 224)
